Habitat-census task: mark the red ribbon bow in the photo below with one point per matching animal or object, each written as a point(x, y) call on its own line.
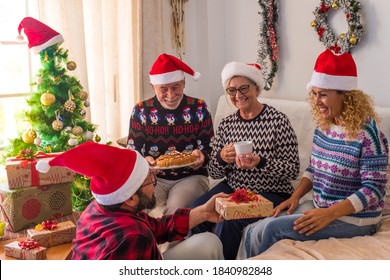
point(28, 245)
point(243, 195)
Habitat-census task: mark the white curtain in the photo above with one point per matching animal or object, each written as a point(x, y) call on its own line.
point(106, 38)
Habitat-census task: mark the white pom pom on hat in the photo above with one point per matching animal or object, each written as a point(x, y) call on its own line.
point(169, 69)
point(251, 71)
point(116, 173)
point(39, 35)
point(332, 71)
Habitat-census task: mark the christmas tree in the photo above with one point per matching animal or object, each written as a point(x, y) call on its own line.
point(56, 106)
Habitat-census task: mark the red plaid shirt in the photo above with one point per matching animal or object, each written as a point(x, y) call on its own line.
point(121, 235)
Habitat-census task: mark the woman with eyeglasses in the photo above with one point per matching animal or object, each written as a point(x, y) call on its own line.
point(272, 165)
point(347, 169)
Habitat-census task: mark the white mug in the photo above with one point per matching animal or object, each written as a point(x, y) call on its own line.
point(243, 147)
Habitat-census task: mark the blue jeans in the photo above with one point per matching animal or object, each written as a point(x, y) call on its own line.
point(230, 231)
point(260, 236)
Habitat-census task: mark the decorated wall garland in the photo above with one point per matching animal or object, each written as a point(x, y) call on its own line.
point(344, 41)
point(268, 51)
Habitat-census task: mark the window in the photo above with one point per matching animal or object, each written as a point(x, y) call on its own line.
point(16, 67)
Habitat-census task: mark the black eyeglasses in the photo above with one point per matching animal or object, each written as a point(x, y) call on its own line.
point(153, 181)
point(244, 89)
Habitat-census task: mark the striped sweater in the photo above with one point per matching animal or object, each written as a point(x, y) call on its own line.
point(354, 170)
point(274, 140)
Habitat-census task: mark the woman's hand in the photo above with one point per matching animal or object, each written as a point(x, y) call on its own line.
point(247, 161)
point(228, 153)
point(290, 204)
point(313, 220)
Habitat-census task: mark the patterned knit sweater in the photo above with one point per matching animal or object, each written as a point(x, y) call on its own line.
point(354, 170)
point(274, 140)
point(154, 131)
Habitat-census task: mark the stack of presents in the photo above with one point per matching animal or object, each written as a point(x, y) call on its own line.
point(31, 201)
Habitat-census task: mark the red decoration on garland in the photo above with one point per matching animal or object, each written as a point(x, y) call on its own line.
point(243, 195)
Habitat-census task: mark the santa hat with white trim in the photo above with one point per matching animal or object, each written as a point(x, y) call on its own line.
point(169, 69)
point(39, 35)
point(251, 71)
point(116, 173)
point(337, 72)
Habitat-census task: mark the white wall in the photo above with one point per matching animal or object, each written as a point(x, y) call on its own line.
point(219, 31)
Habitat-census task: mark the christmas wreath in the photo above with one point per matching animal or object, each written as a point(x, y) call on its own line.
point(345, 41)
point(268, 42)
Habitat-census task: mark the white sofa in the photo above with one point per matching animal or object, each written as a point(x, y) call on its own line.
point(368, 247)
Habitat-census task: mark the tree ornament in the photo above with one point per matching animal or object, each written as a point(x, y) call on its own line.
point(83, 95)
point(37, 141)
point(57, 125)
point(68, 129)
point(46, 57)
point(97, 138)
point(72, 142)
point(29, 136)
point(48, 99)
point(70, 105)
point(38, 80)
point(268, 51)
point(88, 135)
point(71, 65)
point(77, 130)
point(83, 112)
point(87, 103)
point(346, 40)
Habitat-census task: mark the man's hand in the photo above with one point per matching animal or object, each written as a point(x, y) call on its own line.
point(206, 212)
point(199, 163)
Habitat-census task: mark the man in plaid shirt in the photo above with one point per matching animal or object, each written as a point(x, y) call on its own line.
point(114, 225)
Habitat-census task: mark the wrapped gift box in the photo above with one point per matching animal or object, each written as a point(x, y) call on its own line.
point(26, 207)
point(14, 250)
point(256, 208)
point(63, 233)
point(21, 173)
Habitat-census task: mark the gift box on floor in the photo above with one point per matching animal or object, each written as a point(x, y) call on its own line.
point(26, 207)
point(21, 173)
point(25, 250)
point(64, 232)
point(243, 204)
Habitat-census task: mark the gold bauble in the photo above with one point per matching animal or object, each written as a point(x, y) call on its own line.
point(97, 138)
point(69, 106)
point(353, 40)
point(71, 65)
point(335, 6)
point(83, 95)
point(77, 130)
point(57, 125)
point(342, 35)
point(48, 99)
point(313, 23)
point(29, 136)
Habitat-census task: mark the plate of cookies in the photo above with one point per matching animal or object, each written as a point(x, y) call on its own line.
point(174, 160)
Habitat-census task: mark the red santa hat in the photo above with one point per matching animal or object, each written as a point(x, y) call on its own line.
point(116, 173)
point(169, 69)
point(39, 35)
point(251, 71)
point(337, 72)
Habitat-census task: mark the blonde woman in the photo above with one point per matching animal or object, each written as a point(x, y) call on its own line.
point(347, 170)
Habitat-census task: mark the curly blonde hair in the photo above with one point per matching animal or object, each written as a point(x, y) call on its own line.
point(358, 108)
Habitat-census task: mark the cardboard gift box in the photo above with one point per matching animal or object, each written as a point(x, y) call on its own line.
point(63, 233)
point(26, 207)
point(257, 207)
point(17, 250)
point(21, 173)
